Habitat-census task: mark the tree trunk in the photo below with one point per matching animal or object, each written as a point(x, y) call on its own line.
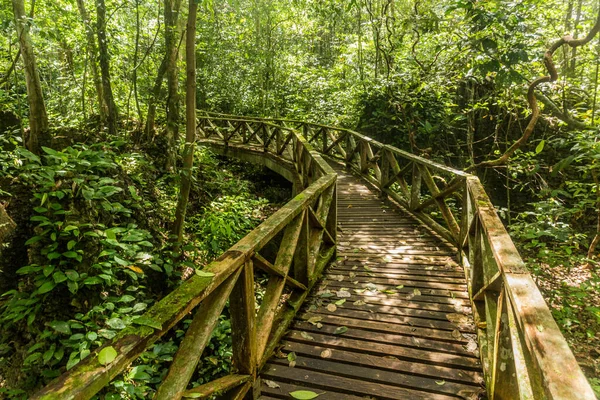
point(93, 57)
point(171, 50)
point(150, 119)
point(190, 121)
point(38, 118)
point(105, 68)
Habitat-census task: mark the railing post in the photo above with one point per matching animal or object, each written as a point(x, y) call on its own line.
point(385, 173)
point(242, 306)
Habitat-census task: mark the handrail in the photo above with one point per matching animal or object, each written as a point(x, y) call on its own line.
point(303, 231)
point(523, 352)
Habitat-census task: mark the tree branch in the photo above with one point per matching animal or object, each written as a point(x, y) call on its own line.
point(532, 96)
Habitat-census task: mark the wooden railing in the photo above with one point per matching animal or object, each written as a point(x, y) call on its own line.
point(523, 352)
point(291, 248)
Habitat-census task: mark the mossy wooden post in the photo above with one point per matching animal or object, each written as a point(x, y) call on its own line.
point(242, 305)
point(301, 255)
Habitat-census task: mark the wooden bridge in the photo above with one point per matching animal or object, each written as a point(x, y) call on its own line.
point(423, 295)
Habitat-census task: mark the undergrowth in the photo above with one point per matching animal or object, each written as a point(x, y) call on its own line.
point(97, 254)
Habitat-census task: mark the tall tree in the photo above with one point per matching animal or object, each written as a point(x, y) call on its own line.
point(190, 121)
point(171, 51)
point(92, 51)
point(38, 118)
point(105, 68)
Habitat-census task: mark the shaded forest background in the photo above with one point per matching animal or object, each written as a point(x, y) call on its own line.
point(446, 80)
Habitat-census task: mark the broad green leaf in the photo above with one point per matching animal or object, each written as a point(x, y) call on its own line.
point(107, 355)
point(540, 147)
point(46, 287)
point(204, 274)
point(304, 395)
point(61, 326)
point(116, 323)
point(340, 329)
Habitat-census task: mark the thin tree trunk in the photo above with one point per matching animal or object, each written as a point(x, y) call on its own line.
point(190, 121)
point(38, 118)
point(105, 68)
point(135, 63)
point(171, 18)
point(150, 119)
point(571, 71)
point(93, 57)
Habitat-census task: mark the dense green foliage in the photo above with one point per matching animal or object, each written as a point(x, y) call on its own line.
point(443, 79)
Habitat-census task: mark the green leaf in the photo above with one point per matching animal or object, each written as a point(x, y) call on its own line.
point(146, 321)
point(33, 240)
point(59, 277)
point(48, 269)
point(340, 329)
point(91, 336)
point(72, 274)
point(46, 287)
point(304, 395)
point(204, 274)
point(71, 244)
point(126, 298)
point(61, 326)
point(70, 254)
point(540, 147)
point(116, 323)
point(107, 355)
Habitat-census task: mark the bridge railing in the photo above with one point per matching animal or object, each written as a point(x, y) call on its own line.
point(290, 248)
point(523, 352)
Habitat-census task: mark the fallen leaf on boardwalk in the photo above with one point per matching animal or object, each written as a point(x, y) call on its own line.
point(343, 293)
point(400, 287)
point(456, 334)
point(340, 329)
point(340, 302)
point(417, 292)
point(319, 325)
point(359, 291)
point(391, 358)
point(359, 303)
point(355, 268)
point(390, 292)
point(440, 382)
point(471, 346)
point(457, 318)
point(306, 336)
point(314, 320)
point(352, 274)
point(304, 395)
point(326, 353)
point(271, 384)
point(326, 294)
point(355, 282)
point(371, 286)
point(428, 268)
point(370, 274)
point(416, 341)
point(367, 268)
point(331, 307)
point(338, 278)
point(349, 205)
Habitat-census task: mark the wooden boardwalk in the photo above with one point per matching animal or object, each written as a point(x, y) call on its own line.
point(391, 318)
